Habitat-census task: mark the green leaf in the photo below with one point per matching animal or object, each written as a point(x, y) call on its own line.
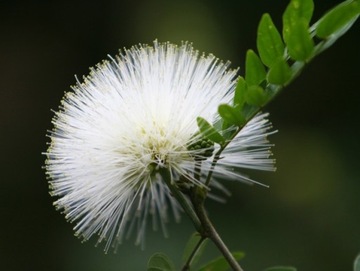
point(296, 10)
point(299, 9)
point(232, 115)
point(227, 132)
point(280, 73)
point(240, 92)
point(338, 19)
point(254, 69)
point(209, 131)
point(220, 264)
point(299, 43)
point(160, 262)
point(357, 263)
point(269, 42)
point(256, 96)
point(296, 19)
point(281, 268)
point(189, 248)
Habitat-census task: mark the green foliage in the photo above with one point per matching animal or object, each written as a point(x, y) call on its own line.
point(357, 263)
point(296, 19)
point(240, 92)
point(209, 131)
point(160, 262)
point(256, 96)
point(220, 264)
point(280, 73)
point(297, 10)
point(296, 32)
point(281, 60)
point(269, 42)
point(338, 19)
point(300, 44)
point(254, 69)
point(231, 115)
point(281, 268)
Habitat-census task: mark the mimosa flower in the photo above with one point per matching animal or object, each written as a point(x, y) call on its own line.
point(130, 117)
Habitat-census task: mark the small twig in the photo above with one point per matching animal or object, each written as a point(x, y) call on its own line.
point(187, 265)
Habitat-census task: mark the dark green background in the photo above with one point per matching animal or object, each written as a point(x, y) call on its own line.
point(309, 217)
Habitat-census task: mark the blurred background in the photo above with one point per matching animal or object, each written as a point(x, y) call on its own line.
point(308, 218)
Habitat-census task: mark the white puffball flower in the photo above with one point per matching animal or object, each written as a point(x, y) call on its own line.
point(131, 116)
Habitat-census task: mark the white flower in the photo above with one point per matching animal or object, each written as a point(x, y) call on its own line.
point(131, 116)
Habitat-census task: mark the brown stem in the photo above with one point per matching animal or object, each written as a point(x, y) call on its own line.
point(209, 230)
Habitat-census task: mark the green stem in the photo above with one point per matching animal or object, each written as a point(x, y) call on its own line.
point(181, 199)
point(217, 156)
point(187, 265)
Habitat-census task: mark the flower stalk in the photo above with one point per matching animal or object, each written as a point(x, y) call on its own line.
point(165, 174)
point(208, 230)
point(199, 217)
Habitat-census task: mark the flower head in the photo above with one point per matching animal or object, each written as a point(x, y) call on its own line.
point(132, 116)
